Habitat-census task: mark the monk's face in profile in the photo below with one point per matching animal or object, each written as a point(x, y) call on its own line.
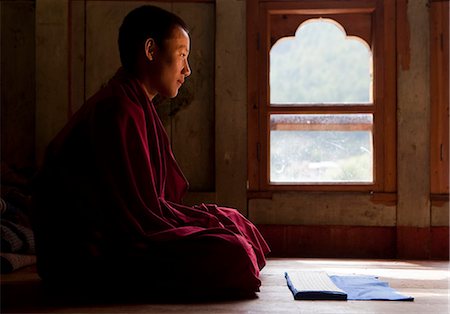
point(170, 63)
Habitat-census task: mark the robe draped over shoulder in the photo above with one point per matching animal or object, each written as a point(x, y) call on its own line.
point(108, 200)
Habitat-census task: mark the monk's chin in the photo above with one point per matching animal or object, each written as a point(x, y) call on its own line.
point(171, 94)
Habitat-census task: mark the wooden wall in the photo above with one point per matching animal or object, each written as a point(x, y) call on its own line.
point(409, 226)
point(87, 37)
point(17, 83)
point(76, 53)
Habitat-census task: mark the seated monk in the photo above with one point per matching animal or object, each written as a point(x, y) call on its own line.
point(108, 197)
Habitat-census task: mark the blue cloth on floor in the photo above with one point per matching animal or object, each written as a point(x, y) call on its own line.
point(367, 288)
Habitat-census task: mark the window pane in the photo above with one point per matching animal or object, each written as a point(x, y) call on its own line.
point(321, 148)
point(320, 65)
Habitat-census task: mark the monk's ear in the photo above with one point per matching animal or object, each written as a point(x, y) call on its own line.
point(150, 47)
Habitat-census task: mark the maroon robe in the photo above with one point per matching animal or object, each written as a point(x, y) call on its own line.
point(108, 203)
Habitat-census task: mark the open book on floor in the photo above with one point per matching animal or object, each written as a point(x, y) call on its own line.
point(313, 285)
point(317, 285)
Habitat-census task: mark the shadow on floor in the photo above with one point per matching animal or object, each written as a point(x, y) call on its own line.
point(36, 297)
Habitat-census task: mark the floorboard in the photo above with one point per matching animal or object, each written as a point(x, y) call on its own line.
point(426, 281)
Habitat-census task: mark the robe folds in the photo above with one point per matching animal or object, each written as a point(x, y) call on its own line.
point(108, 205)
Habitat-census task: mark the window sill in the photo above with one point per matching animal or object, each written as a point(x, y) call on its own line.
point(389, 199)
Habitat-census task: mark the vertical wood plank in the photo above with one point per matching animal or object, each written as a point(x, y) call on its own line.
point(51, 71)
point(389, 98)
point(17, 83)
point(264, 97)
point(252, 95)
point(439, 97)
point(413, 110)
point(231, 108)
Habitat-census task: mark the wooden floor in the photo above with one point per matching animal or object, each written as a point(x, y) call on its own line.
point(426, 281)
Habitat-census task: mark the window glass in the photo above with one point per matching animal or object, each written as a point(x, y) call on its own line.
point(320, 65)
point(321, 148)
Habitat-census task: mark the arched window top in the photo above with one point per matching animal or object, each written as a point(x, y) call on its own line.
point(320, 65)
point(330, 25)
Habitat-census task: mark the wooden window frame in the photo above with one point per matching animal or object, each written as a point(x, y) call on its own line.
point(384, 94)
